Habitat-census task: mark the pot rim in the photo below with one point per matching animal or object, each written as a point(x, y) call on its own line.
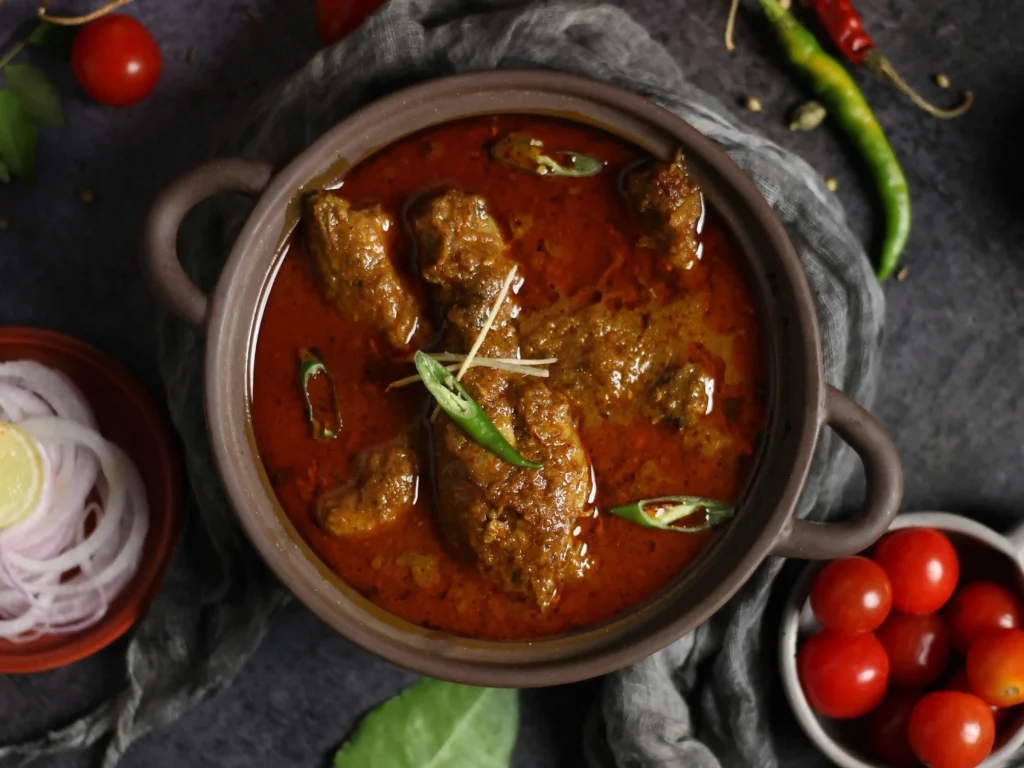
point(563, 659)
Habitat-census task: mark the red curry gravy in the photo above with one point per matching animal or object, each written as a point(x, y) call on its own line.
point(580, 232)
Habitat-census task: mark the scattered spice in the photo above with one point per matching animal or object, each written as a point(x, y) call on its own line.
point(807, 116)
point(832, 184)
point(190, 57)
point(844, 27)
point(902, 274)
point(941, 80)
point(87, 196)
point(753, 104)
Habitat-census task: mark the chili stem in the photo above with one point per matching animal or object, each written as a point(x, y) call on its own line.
point(74, 21)
point(881, 66)
point(730, 24)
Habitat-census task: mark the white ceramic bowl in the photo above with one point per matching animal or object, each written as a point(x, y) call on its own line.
point(983, 553)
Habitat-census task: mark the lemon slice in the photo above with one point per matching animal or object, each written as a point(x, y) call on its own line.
point(21, 474)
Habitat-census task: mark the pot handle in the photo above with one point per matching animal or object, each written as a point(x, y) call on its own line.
point(825, 541)
point(167, 280)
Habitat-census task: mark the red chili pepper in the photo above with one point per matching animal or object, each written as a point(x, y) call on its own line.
point(843, 25)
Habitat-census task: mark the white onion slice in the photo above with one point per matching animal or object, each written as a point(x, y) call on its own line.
point(63, 564)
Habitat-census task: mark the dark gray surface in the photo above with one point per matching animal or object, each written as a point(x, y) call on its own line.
point(954, 348)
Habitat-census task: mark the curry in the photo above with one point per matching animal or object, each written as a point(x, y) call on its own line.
point(487, 339)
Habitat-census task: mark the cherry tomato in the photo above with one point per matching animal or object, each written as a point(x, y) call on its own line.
point(995, 667)
point(917, 647)
point(949, 729)
point(887, 729)
point(959, 682)
point(922, 567)
point(116, 60)
point(979, 607)
point(335, 19)
point(851, 596)
point(843, 676)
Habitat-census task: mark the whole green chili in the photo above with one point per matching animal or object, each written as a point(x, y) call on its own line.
point(465, 412)
point(311, 365)
point(521, 151)
point(834, 87)
point(666, 510)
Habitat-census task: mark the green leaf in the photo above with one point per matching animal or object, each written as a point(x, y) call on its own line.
point(54, 38)
point(435, 724)
point(37, 93)
point(5, 173)
point(17, 136)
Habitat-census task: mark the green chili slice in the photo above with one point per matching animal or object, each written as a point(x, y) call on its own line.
point(310, 367)
point(526, 153)
point(666, 510)
point(465, 412)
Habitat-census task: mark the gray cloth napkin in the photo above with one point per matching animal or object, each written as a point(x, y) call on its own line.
point(701, 702)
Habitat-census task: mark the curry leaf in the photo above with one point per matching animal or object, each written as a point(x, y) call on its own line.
point(54, 38)
point(37, 93)
point(435, 724)
point(17, 136)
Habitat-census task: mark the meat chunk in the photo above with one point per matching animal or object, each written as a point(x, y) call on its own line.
point(671, 205)
point(464, 256)
point(625, 364)
point(682, 395)
point(384, 488)
point(349, 252)
point(517, 525)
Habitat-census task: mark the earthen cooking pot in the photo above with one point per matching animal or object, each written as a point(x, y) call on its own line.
point(800, 403)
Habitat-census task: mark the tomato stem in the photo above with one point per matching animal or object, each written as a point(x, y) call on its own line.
point(73, 21)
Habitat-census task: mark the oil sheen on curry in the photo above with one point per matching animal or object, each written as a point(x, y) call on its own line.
point(613, 358)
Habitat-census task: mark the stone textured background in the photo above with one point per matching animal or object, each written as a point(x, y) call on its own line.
point(955, 336)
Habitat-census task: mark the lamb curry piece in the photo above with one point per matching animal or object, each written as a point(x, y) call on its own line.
point(623, 282)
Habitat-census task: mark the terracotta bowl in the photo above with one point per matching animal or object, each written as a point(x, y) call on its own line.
point(800, 403)
point(128, 417)
point(983, 554)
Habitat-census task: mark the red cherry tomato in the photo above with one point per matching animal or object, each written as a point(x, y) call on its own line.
point(116, 60)
point(979, 607)
point(335, 19)
point(922, 567)
point(995, 667)
point(959, 682)
point(887, 729)
point(949, 729)
point(843, 676)
point(851, 596)
point(917, 647)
